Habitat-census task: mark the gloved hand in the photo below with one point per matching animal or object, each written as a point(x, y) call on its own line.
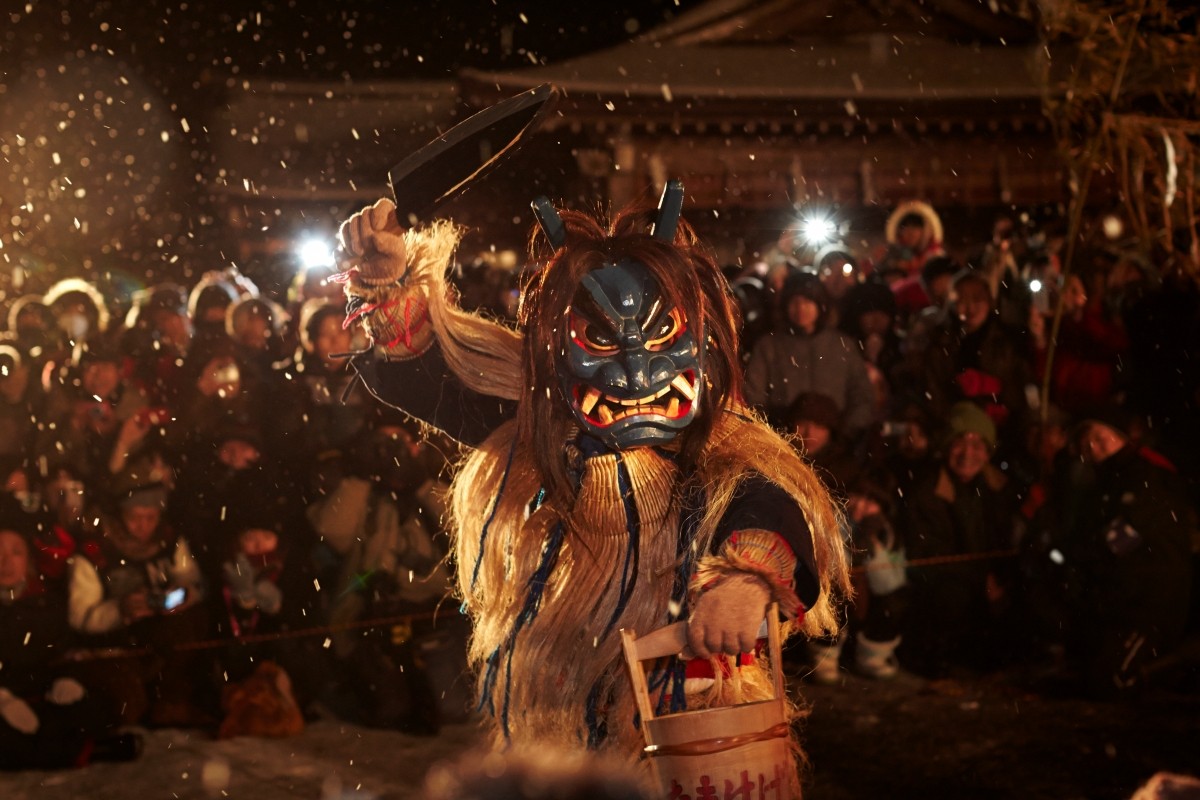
point(373, 260)
point(726, 617)
point(65, 691)
point(268, 597)
point(373, 245)
point(17, 713)
point(885, 565)
point(885, 569)
point(239, 577)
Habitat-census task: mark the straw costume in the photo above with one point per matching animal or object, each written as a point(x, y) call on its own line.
point(616, 480)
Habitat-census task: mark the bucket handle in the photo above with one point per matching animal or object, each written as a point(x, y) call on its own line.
point(672, 639)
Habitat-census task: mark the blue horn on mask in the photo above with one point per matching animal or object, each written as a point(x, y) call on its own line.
point(552, 224)
point(669, 207)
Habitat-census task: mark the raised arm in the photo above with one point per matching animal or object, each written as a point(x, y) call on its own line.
point(429, 358)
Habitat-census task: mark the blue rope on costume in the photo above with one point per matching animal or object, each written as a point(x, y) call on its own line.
point(633, 527)
point(597, 728)
point(533, 599)
point(492, 516)
point(670, 680)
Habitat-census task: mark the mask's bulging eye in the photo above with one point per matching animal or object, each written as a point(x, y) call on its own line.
point(665, 332)
point(593, 338)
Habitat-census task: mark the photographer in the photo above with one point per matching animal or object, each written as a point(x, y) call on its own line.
point(142, 588)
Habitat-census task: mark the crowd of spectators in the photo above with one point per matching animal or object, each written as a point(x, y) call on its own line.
point(195, 489)
point(190, 493)
point(1016, 492)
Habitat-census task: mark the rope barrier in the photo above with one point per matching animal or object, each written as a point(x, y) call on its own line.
point(94, 654)
point(118, 651)
point(933, 561)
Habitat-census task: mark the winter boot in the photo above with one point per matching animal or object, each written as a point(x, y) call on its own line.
point(825, 656)
point(876, 659)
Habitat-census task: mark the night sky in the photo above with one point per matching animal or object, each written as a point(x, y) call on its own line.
point(189, 43)
point(104, 141)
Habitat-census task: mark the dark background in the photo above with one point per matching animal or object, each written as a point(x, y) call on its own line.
point(107, 110)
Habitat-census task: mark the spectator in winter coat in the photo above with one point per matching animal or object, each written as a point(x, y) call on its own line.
point(927, 289)
point(20, 401)
point(1088, 349)
point(94, 413)
point(914, 235)
point(869, 318)
point(965, 509)
point(227, 475)
point(144, 589)
point(382, 525)
point(313, 413)
point(807, 356)
point(48, 719)
point(968, 354)
point(1136, 545)
point(79, 310)
point(264, 588)
point(880, 598)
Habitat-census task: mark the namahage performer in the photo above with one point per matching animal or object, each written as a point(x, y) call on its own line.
point(616, 479)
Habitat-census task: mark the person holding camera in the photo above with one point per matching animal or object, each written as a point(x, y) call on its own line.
point(142, 589)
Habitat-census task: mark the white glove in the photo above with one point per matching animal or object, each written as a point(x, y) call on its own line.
point(885, 569)
point(17, 713)
point(374, 238)
point(239, 576)
point(270, 599)
point(725, 618)
point(65, 691)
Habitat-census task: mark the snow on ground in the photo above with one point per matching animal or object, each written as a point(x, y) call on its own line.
point(330, 761)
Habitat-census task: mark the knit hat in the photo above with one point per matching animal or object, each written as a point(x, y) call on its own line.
point(869, 296)
point(96, 350)
point(968, 276)
point(210, 292)
point(814, 407)
point(938, 266)
point(149, 496)
point(233, 429)
point(805, 284)
point(832, 250)
point(967, 418)
point(1111, 414)
point(255, 513)
point(146, 481)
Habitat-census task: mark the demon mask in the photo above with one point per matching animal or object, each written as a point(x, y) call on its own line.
point(632, 364)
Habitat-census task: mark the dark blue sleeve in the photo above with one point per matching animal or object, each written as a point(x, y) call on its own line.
point(760, 504)
point(425, 388)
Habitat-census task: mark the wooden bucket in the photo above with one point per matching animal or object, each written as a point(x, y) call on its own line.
point(738, 751)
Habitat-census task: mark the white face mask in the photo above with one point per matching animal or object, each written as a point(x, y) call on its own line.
point(30, 501)
point(75, 326)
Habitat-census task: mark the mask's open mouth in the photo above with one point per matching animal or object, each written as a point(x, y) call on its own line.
point(673, 401)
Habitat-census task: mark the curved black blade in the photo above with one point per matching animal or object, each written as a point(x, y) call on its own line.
point(445, 167)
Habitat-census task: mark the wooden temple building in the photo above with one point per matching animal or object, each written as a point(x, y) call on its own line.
point(763, 107)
